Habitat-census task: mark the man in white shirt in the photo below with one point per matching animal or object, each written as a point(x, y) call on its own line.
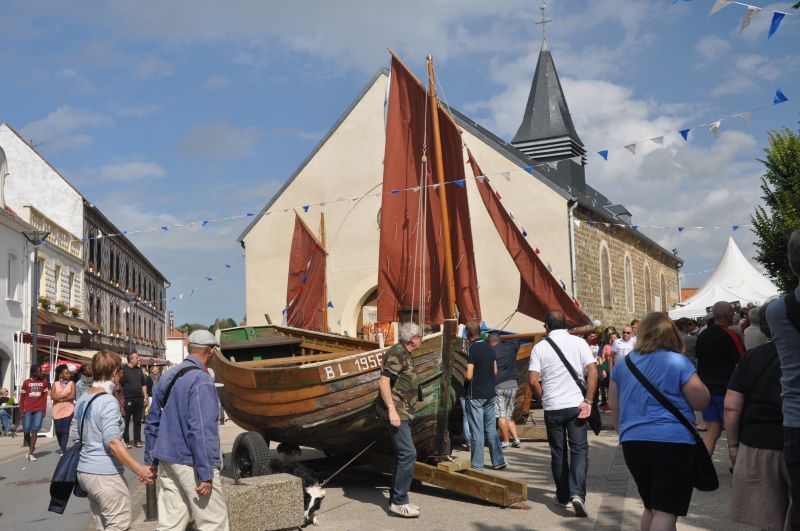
point(624, 345)
point(565, 407)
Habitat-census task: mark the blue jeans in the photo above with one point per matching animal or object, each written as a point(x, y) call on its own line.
point(482, 428)
point(569, 464)
point(5, 419)
point(62, 430)
point(405, 456)
point(32, 421)
point(465, 421)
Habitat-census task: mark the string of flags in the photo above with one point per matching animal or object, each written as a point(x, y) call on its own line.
point(713, 127)
point(750, 14)
point(677, 228)
point(207, 280)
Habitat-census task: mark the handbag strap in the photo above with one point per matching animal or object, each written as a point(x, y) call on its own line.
point(85, 411)
point(568, 365)
point(669, 406)
point(792, 309)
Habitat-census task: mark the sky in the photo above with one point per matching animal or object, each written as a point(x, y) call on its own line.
point(190, 110)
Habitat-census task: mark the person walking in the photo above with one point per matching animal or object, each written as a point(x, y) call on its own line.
point(481, 372)
point(151, 381)
point(103, 454)
point(398, 393)
point(5, 418)
point(84, 380)
point(565, 407)
point(63, 396)
point(605, 364)
point(718, 351)
point(182, 436)
point(659, 450)
point(783, 317)
point(754, 428)
point(506, 389)
point(753, 334)
point(33, 405)
point(623, 345)
point(134, 391)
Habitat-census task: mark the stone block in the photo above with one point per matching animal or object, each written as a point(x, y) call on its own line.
point(265, 503)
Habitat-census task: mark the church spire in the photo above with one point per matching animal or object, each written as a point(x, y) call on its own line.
point(547, 132)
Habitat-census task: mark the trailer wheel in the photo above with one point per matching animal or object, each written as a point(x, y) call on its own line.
point(250, 456)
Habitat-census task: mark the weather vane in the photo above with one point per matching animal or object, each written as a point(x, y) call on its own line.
point(544, 20)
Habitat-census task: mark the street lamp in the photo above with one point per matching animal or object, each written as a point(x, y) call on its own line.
point(36, 238)
point(130, 298)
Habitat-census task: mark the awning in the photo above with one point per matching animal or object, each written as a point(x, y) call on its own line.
point(81, 355)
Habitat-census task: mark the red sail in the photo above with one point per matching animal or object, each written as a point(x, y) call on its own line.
point(408, 194)
point(305, 291)
point(539, 291)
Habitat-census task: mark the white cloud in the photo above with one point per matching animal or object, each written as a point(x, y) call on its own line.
point(61, 129)
point(219, 141)
point(137, 111)
point(152, 67)
point(127, 172)
point(217, 82)
point(751, 70)
point(712, 47)
point(79, 82)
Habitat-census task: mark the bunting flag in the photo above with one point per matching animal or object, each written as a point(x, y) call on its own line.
point(777, 17)
point(631, 148)
point(719, 5)
point(658, 140)
point(747, 117)
point(714, 127)
point(779, 97)
point(752, 11)
point(603, 153)
point(685, 134)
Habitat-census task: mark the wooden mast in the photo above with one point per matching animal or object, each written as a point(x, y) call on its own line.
point(325, 250)
point(439, 169)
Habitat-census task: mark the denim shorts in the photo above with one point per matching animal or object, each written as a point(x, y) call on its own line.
point(32, 421)
point(716, 409)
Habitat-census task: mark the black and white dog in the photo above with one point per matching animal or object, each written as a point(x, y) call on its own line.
point(313, 494)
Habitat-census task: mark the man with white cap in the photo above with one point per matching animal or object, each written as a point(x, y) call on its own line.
point(182, 442)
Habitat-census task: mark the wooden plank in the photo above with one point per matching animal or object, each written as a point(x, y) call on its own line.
point(453, 466)
point(517, 487)
point(532, 433)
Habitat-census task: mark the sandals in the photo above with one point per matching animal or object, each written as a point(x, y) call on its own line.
point(128, 446)
point(139, 445)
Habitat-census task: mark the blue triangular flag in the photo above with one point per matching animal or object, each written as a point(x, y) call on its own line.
point(283, 312)
point(524, 233)
point(680, 229)
point(165, 229)
point(777, 16)
point(304, 278)
point(395, 191)
point(305, 208)
point(203, 224)
point(459, 182)
point(735, 228)
point(330, 304)
point(249, 214)
point(228, 266)
point(603, 154)
point(779, 97)
point(528, 169)
point(209, 279)
point(685, 134)
point(634, 227)
point(591, 223)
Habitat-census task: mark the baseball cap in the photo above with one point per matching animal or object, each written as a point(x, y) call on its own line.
point(202, 338)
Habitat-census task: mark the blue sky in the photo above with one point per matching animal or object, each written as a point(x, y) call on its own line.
point(168, 112)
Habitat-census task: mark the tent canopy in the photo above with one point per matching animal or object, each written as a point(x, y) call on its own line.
point(734, 279)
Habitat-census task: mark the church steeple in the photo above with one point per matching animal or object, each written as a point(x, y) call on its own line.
point(547, 132)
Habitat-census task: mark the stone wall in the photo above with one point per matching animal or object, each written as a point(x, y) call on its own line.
point(644, 256)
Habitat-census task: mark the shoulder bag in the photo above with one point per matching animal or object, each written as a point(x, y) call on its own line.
point(595, 422)
point(65, 477)
point(705, 475)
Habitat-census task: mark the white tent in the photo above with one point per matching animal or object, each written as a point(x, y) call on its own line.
point(734, 279)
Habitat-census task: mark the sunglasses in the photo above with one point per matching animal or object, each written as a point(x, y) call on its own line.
point(623, 333)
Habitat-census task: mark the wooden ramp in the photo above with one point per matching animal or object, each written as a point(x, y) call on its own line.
point(458, 476)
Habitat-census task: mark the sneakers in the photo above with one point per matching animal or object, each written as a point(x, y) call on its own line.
point(505, 445)
point(577, 504)
point(558, 502)
point(406, 511)
point(501, 466)
point(516, 443)
point(30, 457)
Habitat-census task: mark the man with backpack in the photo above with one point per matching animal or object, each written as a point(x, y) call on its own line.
point(182, 442)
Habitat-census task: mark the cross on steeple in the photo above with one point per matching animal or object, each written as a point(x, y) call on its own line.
point(544, 20)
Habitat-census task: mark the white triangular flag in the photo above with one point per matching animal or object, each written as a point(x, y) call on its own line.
point(507, 175)
point(714, 127)
point(552, 164)
point(577, 223)
point(658, 139)
point(99, 234)
point(70, 328)
point(435, 186)
point(719, 5)
point(80, 331)
point(747, 117)
point(577, 160)
point(631, 148)
point(511, 214)
point(748, 17)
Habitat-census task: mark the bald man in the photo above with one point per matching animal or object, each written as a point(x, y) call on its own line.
point(718, 351)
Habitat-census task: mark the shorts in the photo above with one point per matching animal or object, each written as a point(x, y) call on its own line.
point(715, 412)
point(663, 474)
point(504, 402)
point(760, 494)
point(32, 421)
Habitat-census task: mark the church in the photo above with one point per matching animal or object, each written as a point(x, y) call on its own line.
point(589, 243)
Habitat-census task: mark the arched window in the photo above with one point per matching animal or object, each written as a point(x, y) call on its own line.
point(663, 293)
point(3, 173)
point(648, 291)
point(628, 284)
point(605, 276)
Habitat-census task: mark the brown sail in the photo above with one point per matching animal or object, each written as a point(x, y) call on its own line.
point(539, 291)
point(411, 243)
point(305, 291)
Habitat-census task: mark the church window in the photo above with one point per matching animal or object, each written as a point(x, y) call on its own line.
point(628, 284)
point(648, 291)
point(663, 293)
point(605, 276)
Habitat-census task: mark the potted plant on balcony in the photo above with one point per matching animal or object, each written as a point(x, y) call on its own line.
point(75, 311)
point(61, 307)
point(44, 302)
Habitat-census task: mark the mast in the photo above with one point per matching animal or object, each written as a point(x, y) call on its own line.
point(324, 250)
point(439, 169)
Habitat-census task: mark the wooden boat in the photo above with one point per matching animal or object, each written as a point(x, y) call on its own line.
point(305, 387)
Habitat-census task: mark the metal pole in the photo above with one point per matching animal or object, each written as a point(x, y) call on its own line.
point(130, 328)
point(35, 305)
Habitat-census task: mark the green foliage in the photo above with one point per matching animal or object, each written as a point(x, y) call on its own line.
point(191, 327)
point(223, 323)
point(780, 186)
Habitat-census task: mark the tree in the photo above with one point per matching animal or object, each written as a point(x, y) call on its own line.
point(780, 186)
point(191, 327)
point(226, 322)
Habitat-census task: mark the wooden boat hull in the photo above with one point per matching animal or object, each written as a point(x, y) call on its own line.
point(327, 404)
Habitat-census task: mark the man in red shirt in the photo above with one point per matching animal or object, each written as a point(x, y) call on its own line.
point(33, 404)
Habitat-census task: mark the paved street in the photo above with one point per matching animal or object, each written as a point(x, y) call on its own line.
point(357, 498)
